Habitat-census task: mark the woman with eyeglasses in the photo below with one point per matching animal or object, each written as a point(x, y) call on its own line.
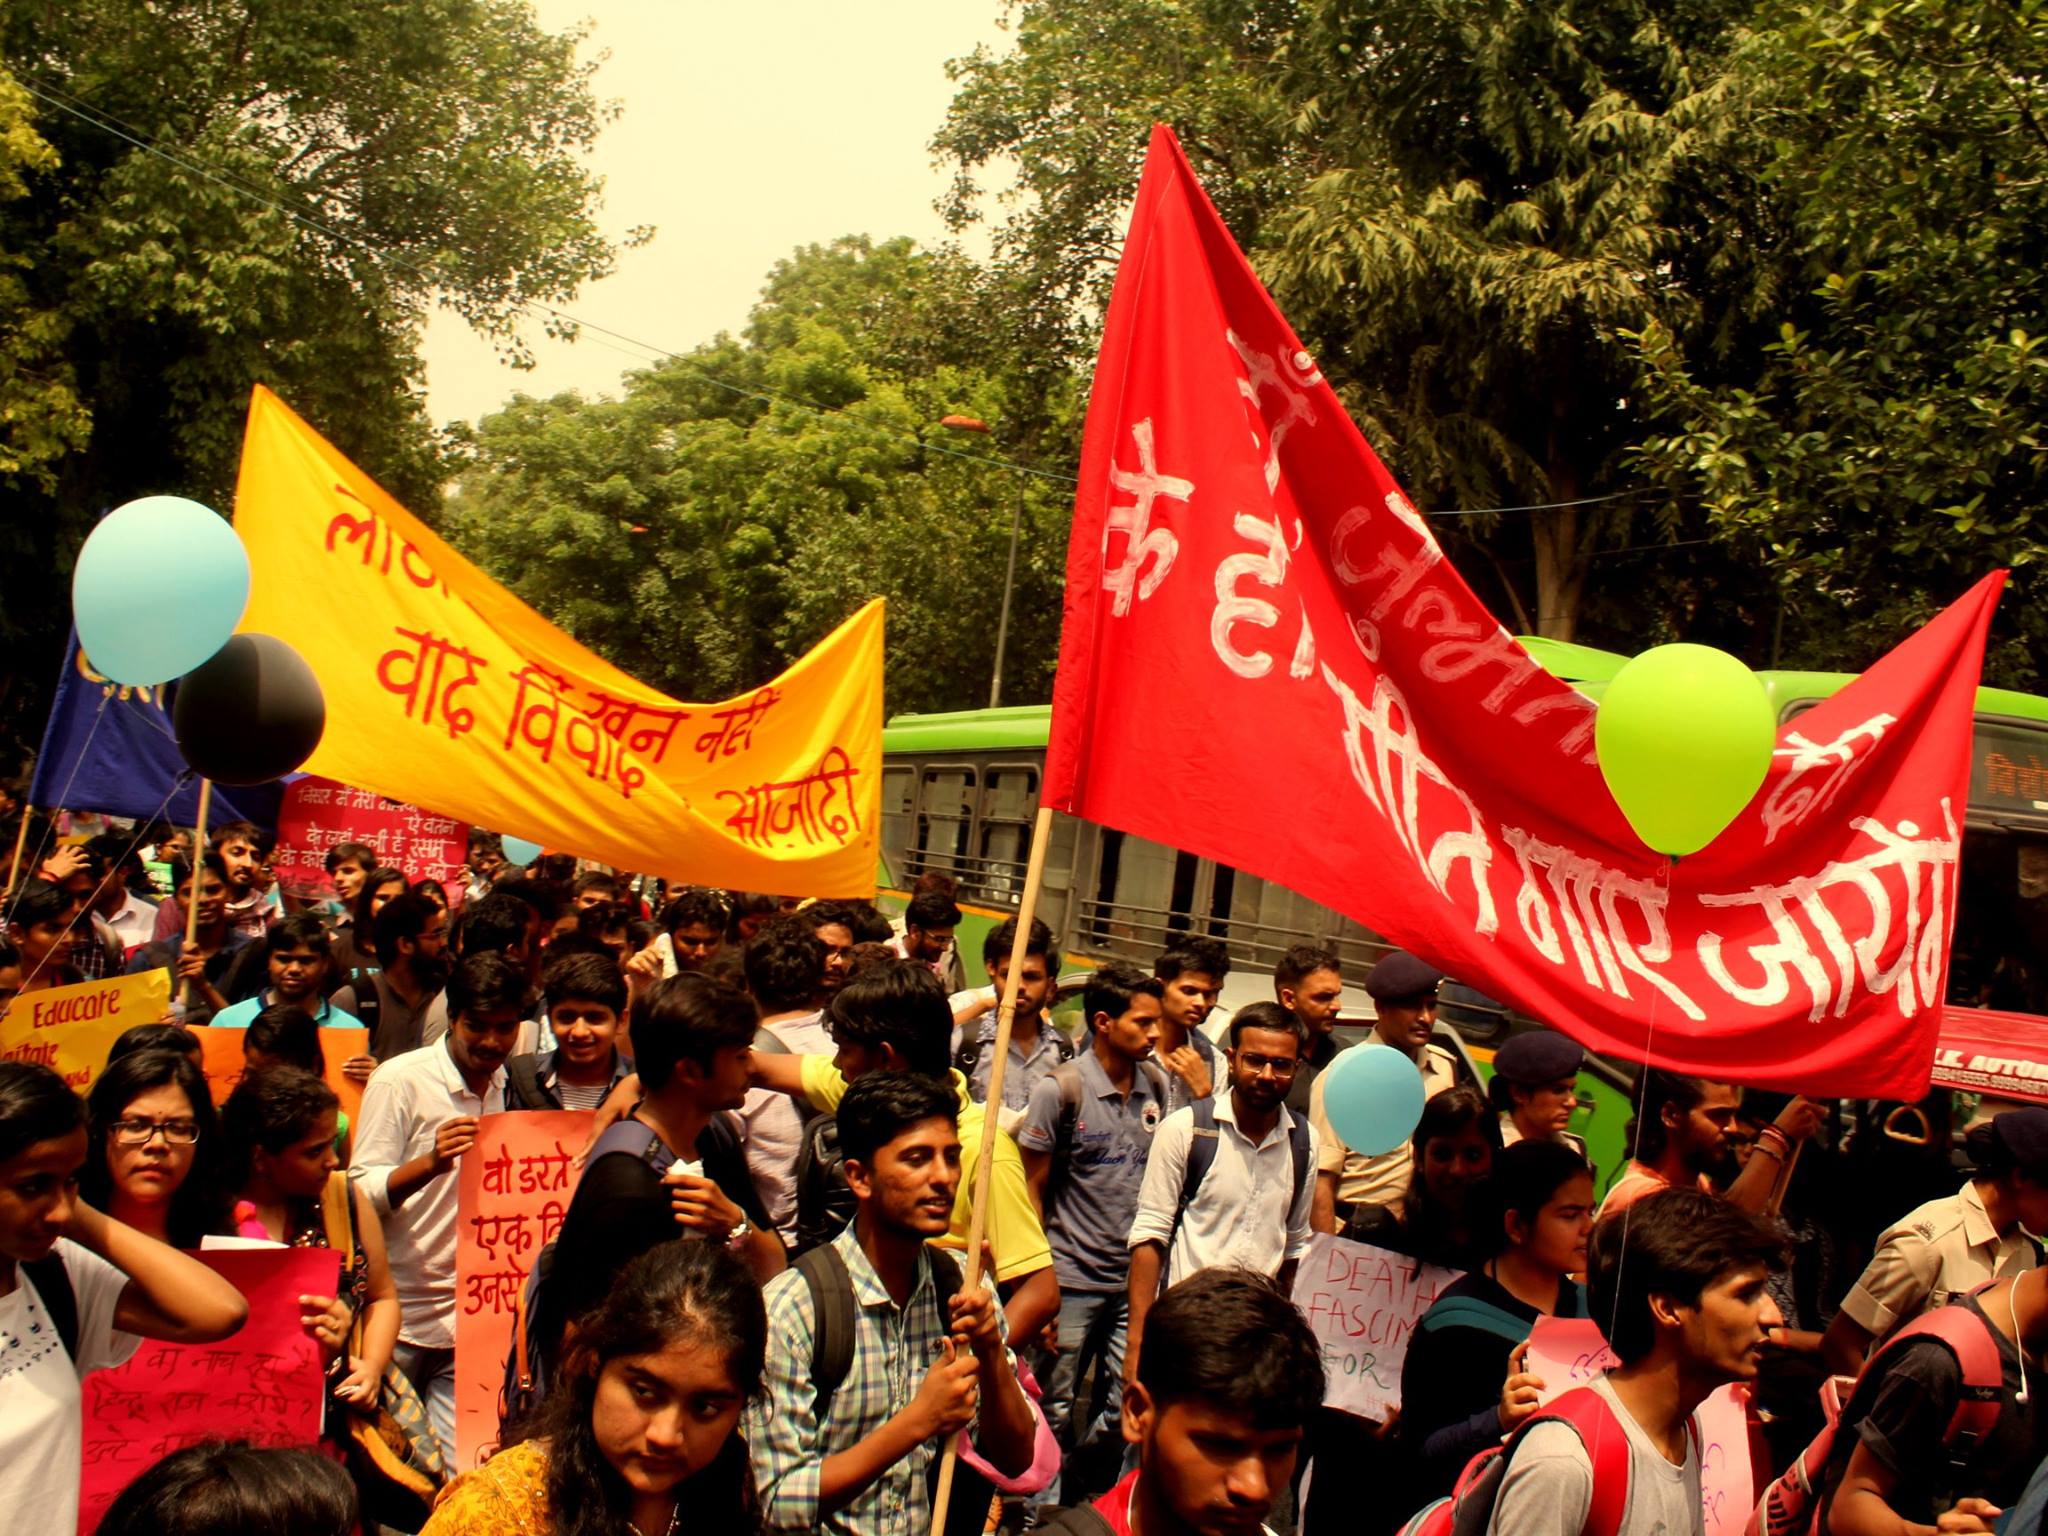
point(79, 1290)
point(153, 1158)
point(279, 1128)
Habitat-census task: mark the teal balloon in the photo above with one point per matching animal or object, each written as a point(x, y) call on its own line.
point(1373, 1096)
point(519, 851)
point(159, 586)
point(1684, 737)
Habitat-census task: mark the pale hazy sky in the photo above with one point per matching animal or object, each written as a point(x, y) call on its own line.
point(748, 130)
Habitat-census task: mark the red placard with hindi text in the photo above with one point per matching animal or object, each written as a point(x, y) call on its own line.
point(265, 1383)
point(318, 814)
point(512, 1192)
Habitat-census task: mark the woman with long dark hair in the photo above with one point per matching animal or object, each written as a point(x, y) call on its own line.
point(1455, 1143)
point(1460, 1389)
point(154, 1157)
point(641, 1423)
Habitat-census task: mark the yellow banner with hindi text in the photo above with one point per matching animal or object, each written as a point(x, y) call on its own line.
point(445, 690)
point(73, 1028)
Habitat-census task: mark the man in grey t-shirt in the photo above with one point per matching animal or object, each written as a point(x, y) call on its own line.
point(1681, 1282)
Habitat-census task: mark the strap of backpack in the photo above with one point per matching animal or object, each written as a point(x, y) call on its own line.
point(523, 1085)
point(1968, 1335)
point(1068, 1076)
point(1606, 1444)
point(635, 1137)
point(831, 1288)
point(53, 1285)
point(1201, 1154)
point(1297, 1143)
point(1471, 1312)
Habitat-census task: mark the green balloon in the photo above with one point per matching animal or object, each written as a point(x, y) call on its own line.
point(1684, 737)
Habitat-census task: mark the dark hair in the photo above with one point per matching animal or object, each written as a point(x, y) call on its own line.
point(1450, 1113)
point(200, 1204)
point(1303, 961)
point(543, 898)
point(866, 955)
point(1190, 952)
point(699, 905)
point(688, 1018)
point(37, 900)
point(784, 965)
point(152, 1037)
point(1647, 1132)
point(593, 978)
point(232, 1488)
point(10, 955)
point(286, 1031)
point(594, 923)
point(404, 917)
point(883, 1105)
point(1228, 1339)
point(826, 914)
point(937, 882)
point(483, 841)
point(431, 888)
point(641, 932)
point(900, 1004)
point(1003, 938)
point(350, 853)
point(678, 1291)
point(495, 923)
point(290, 932)
point(487, 983)
point(596, 880)
point(870, 926)
point(1525, 1178)
point(1993, 1158)
point(112, 851)
point(271, 1109)
point(36, 1104)
point(248, 831)
point(931, 910)
point(377, 878)
point(1113, 985)
point(1674, 1243)
point(1267, 1016)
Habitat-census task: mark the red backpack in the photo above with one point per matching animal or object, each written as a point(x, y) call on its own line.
point(1469, 1508)
point(1793, 1506)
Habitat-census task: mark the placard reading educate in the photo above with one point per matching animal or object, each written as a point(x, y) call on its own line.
point(1363, 1304)
point(73, 1028)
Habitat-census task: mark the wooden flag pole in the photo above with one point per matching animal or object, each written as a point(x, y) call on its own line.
point(984, 1164)
point(196, 865)
point(20, 843)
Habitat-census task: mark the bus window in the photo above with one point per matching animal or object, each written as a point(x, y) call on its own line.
point(1009, 798)
point(1141, 894)
point(899, 796)
point(945, 823)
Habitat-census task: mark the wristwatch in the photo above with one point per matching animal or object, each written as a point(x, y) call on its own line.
point(742, 1230)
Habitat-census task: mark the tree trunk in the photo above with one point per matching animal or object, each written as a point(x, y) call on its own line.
point(1561, 557)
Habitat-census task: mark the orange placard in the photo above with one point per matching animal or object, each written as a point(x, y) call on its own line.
point(221, 1060)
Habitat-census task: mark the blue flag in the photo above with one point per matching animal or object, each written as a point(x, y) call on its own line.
point(110, 748)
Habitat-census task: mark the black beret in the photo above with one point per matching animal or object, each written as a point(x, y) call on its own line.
point(1400, 976)
point(2025, 1134)
point(1540, 1056)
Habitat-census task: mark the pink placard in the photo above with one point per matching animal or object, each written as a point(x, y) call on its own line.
point(264, 1384)
point(1566, 1352)
point(1728, 1490)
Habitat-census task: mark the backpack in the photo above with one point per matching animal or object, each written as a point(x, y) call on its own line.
point(525, 1383)
point(1202, 1153)
point(1468, 1509)
point(824, 1200)
point(523, 1087)
point(968, 1057)
point(1794, 1505)
point(60, 1301)
point(832, 1302)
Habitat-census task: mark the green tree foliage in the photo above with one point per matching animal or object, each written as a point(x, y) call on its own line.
point(738, 502)
point(1886, 447)
point(231, 192)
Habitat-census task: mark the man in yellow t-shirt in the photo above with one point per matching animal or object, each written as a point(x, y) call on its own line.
point(893, 1017)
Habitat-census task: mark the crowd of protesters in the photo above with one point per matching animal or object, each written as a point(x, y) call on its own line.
point(756, 1315)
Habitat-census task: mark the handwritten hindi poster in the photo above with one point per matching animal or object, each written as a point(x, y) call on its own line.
point(512, 1192)
point(1363, 1303)
point(318, 814)
point(72, 1028)
point(1569, 1352)
point(264, 1384)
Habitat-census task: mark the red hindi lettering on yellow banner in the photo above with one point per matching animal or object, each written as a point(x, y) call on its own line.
point(445, 690)
point(72, 1028)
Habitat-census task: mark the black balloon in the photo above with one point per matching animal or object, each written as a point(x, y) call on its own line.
point(251, 713)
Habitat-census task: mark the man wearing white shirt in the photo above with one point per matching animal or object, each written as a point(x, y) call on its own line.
point(419, 1116)
point(1249, 1208)
point(785, 965)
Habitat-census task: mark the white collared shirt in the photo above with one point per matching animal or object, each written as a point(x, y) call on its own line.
point(1244, 1214)
point(408, 1099)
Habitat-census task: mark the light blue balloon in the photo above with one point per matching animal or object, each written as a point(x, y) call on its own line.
point(519, 851)
point(159, 586)
point(1373, 1096)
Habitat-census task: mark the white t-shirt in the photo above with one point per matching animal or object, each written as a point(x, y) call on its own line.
point(1549, 1486)
point(42, 1435)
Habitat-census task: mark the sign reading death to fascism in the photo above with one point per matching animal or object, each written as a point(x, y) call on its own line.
point(1363, 1304)
point(461, 697)
point(512, 1192)
point(1240, 549)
